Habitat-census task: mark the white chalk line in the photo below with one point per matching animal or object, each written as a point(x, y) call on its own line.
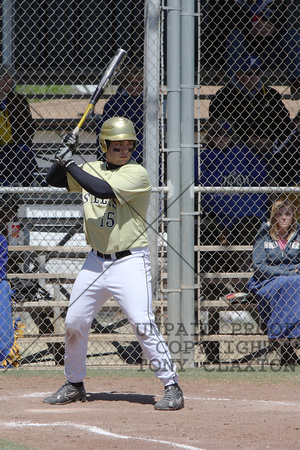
point(93, 429)
point(206, 399)
point(32, 395)
point(270, 402)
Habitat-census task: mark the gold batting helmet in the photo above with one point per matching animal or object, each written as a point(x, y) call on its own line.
point(116, 129)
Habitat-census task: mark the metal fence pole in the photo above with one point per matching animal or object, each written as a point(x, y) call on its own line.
point(7, 32)
point(187, 181)
point(151, 124)
point(173, 176)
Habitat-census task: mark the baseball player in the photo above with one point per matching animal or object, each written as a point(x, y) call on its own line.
point(116, 196)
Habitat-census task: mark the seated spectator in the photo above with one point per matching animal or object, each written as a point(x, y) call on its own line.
point(286, 158)
point(17, 161)
point(257, 111)
point(9, 329)
point(127, 102)
point(286, 166)
point(225, 163)
point(260, 28)
point(276, 279)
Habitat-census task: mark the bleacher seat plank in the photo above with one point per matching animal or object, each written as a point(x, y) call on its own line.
point(48, 248)
point(43, 276)
point(221, 305)
point(93, 337)
point(234, 337)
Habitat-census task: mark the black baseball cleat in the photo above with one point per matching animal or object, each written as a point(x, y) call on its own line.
point(172, 399)
point(67, 393)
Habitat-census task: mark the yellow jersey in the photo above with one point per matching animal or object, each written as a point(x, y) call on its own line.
point(117, 224)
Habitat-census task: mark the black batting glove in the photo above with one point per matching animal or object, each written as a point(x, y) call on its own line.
point(71, 140)
point(64, 155)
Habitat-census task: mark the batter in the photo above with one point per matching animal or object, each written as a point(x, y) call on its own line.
point(116, 196)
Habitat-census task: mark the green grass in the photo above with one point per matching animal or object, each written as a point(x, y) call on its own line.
point(8, 445)
point(50, 89)
point(227, 373)
point(42, 89)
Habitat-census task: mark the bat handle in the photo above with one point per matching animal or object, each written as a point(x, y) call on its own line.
point(82, 120)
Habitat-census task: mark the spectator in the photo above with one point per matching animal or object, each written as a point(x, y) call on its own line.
point(127, 102)
point(286, 157)
point(286, 167)
point(260, 28)
point(276, 280)
point(257, 111)
point(17, 161)
point(9, 330)
point(225, 163)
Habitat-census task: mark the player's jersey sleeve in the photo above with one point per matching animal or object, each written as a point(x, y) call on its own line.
point(129, 182)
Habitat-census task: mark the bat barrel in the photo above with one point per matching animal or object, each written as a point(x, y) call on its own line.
point(108, 75)
point(106, 79)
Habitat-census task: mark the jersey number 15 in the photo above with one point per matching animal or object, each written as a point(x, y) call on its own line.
point(107, 220)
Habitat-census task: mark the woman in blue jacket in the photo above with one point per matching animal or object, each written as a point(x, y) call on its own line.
point(276, 280)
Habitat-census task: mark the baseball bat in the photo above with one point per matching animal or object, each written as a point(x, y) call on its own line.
point(106, 79)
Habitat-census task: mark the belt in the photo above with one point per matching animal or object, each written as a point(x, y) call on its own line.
point(119, 255)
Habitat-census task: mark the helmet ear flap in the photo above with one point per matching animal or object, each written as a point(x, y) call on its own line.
point(103, 145)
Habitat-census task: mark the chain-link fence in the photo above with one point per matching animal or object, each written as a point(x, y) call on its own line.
point(249, 107)
point(246, 125)
point(53, 56)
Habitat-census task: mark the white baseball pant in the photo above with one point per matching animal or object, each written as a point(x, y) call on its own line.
point(128, 281)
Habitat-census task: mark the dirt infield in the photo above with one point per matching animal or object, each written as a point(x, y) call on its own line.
point(229, 413)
